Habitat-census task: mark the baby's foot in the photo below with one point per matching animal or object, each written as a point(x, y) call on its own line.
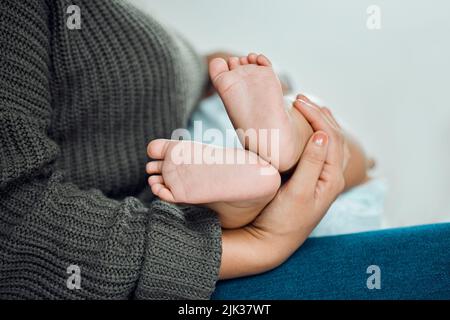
point(194, 173)
point(253, 97)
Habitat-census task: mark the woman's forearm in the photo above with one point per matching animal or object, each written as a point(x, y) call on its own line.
point(242, 255)
point(254, 249)
point(356, 170)
point(250, 250)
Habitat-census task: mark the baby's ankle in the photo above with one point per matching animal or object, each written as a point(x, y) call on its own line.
point(303, 132)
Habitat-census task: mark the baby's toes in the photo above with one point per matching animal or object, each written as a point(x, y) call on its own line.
point(233, 63)
point(262, 60)
point(252, 57)
point(217, 67)
point(162, 192)
point(244, 61)
point(157, 149)
point(155, 179)
point(154, 167)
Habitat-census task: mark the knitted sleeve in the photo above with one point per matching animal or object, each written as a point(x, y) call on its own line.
point(60, 242)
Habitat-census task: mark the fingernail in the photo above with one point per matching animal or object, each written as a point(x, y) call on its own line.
point(302, 97)
point(320, 139)
point(305, 102)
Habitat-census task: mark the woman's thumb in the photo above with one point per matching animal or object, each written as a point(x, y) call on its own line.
point(308, 171)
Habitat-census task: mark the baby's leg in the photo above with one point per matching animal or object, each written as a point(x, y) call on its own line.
point(235, 183)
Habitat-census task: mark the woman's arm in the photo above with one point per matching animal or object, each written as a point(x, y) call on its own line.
point(358, 165)
point(298, 207)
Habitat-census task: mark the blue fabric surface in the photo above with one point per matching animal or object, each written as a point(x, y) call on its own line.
point(414, 264)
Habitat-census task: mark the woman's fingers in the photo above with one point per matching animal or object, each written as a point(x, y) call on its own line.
point(318, 120)
point(325, 111)
point(304, 180)
point(330, 117)
point(313, 114)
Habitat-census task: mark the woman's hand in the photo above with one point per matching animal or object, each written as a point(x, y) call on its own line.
point(298, 207)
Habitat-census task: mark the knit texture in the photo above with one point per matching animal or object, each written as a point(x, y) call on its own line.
point(77, 110)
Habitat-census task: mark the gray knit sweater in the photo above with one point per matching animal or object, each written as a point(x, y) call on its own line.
point(77, 109)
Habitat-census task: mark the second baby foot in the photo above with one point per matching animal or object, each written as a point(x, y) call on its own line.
point(194, 173)
point(253, 97)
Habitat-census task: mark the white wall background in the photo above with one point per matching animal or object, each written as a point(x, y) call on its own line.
point(391, 85)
